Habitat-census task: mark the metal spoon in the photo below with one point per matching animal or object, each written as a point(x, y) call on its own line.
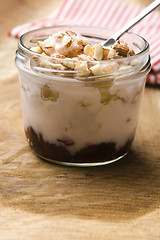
point(129, 25)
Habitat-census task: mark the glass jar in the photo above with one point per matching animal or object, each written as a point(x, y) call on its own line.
point(78, 120)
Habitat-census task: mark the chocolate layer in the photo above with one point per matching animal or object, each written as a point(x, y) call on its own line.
point(91, 154)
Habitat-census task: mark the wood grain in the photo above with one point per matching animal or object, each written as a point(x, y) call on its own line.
point(39, 200)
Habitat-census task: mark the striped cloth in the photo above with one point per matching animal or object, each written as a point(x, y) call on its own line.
point(105, 13)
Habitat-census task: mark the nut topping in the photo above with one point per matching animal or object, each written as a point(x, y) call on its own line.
point(72, 52)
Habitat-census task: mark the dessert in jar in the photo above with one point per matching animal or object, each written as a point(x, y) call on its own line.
point(81, 100)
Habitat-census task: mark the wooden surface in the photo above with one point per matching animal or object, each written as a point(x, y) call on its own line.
point(39, 200)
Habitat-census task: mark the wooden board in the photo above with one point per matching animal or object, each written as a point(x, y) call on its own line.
point(39, 200)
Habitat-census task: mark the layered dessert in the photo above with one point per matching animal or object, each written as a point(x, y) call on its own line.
point(81, 101)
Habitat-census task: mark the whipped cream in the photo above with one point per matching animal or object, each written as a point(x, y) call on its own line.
point(78, 113)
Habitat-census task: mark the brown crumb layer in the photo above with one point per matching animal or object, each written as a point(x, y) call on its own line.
point(91, 154)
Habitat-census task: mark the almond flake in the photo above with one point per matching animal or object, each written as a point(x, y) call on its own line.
point(66, 41)
point(88, 50)
point(98, 52)
point(111, 53)
point(96, 70)
point(83, 68)
point(36, 50)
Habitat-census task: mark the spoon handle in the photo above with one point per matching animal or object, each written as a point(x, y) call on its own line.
point(135, 20)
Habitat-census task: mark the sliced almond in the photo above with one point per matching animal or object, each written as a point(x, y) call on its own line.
point(83, 57)
point(82, 41)
point(45, 63)
point(105, 53)
point(108, 68)
point(88, 50)
point(69, 64)
point(96, 70)
point(71, 33)
point(58, 66)
point(98, 52)
point(124, 67)
point(36, 50)
point(111, 53)
point(48, 51)
point(66, 41)
point(49, 42)
point(83, 68)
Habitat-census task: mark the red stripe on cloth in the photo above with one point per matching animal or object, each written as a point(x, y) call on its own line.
point(151, 79)
point(134, 11)
point(156, 66)
point(67, 10)
point(149, 21)
point(155, 47)
point(62, 8)
point(106, 14)
point(17, 35)
point(118, 15)
point(125, 16)
point(94, 12)
point(152, 37)
point(13, 32)
point(23, 30)
point(155, 53)
point(75, 9)
point(158, 78)
point(10, 32)
point(154, 42)
point(90, 13)
point(109, 15)
point(82, 11)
